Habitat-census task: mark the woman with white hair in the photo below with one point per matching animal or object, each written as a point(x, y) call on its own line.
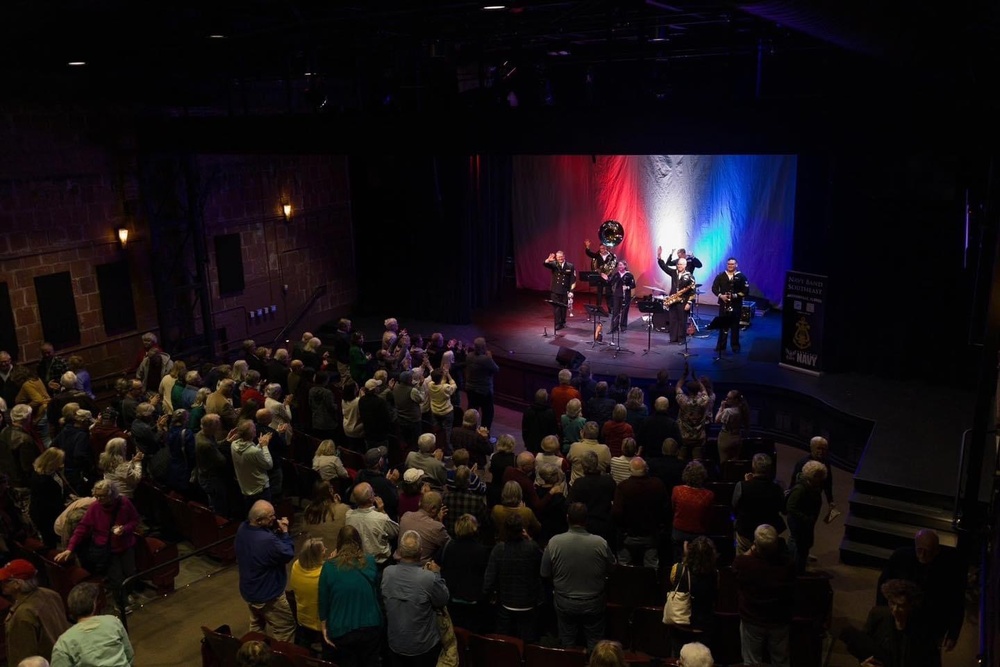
point(695, 654)
point(280, 409)
point(391, 334)
point(105, 537)
point(125, 473)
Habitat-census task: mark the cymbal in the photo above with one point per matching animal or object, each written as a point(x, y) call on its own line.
point(656, 288)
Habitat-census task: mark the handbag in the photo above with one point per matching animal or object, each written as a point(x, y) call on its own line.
point(677, 610)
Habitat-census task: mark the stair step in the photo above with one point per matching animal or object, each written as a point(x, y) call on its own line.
point(888, 534)
point(891, 509)
point(857, 553)
point(915, 496)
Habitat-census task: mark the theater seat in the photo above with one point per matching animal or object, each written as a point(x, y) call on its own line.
point(150, 552)
point(495, 650)
point(634, 586)
point(181, 517)
point(544, 656)
point(64, 576)
point(207, 528)
point(649, 634)
point(618, 624)
point(218, 647)
point(462, 640)
point(310, 661)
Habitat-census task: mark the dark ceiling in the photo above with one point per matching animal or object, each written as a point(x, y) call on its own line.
point(330, 56)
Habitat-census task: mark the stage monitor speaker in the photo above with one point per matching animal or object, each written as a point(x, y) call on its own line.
point(569, 358)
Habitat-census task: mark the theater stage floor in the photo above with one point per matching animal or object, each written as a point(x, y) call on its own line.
point(917, 427)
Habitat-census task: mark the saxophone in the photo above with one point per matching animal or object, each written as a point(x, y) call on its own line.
point(677, 296)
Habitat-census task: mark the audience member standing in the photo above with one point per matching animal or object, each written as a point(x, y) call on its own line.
point(601, 407)
point(803, 507)
point(18, 449)
point(656, 428)
point(641, 507)
point(105, 535)
point(463, 566)
point(96, 639)
point(426, 522)
point(214, 467)
point(251, 461)
point(819, 450)
point(578, 564)
point(263, 551)
point(538, 421)
point(698, 574)
point(479, 371)
point(757, 500)
point(563, 393)
point(734, 418)
point(765, 580)
point(588, 443)
point(616, 430)
point(349, 610)
point(691, 502)
point(571, 424)
point(513, 579)
point(37, 616)
point(303, 581)
point(413, 594)
point(377, 530)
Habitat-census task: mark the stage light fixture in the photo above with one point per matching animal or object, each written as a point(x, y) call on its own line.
point(122, 236)
point(286, 210)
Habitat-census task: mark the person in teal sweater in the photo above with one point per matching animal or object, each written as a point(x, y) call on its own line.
point(349, 611)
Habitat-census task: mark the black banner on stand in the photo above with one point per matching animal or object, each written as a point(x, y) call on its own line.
point(802, 322)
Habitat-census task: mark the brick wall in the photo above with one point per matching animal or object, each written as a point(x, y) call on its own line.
point(69, 181)
point(311, 249)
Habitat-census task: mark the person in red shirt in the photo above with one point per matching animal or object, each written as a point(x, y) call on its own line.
point(690, 501)
point(564, 393)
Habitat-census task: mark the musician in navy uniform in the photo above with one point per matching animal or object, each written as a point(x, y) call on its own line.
point(692, 261)
point(730, 286)
point(562, 281)
point(682, 282)
point(602, 261)
point(621, 282)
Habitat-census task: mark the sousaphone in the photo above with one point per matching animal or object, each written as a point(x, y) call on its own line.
point(610, 233)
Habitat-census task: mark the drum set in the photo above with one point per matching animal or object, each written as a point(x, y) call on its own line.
point(656, 313)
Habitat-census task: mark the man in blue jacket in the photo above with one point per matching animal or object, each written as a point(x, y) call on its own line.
point(263, 550)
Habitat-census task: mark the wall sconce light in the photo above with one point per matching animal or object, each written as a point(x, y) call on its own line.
point(122, 236)
point(286, 210)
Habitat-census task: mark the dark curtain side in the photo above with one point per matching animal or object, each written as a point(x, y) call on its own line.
point(432, 234)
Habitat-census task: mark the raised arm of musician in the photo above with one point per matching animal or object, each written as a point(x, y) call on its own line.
point(665, 266)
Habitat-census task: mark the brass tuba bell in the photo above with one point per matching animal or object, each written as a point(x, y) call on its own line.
point(611, 233)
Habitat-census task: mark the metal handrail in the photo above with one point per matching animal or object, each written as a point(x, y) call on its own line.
point(317, 293)
point(121, 595)
point(959, 483)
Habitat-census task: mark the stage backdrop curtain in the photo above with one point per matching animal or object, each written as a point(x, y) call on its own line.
point(433, 233)
point(715, 206)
